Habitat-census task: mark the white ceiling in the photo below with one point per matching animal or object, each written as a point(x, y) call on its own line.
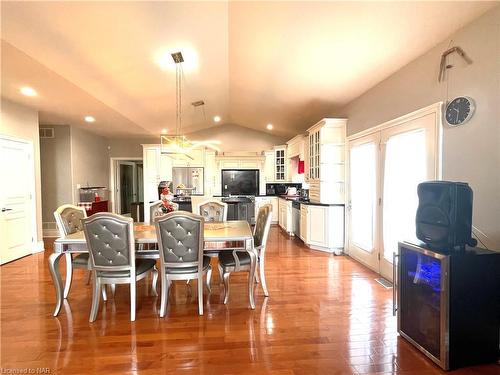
point(288, 63)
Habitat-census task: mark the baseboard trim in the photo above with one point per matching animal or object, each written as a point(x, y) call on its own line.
point(38, 247)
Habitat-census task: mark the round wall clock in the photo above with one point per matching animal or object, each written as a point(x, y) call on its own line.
point(459, 110)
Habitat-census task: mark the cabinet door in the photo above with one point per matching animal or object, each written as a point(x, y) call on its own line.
point(303, 223)
point(317, 225)
point(280, 164)
point(165, 167)
point(269, 166)
point(274, 202)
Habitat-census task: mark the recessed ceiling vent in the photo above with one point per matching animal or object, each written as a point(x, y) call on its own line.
point(46, 132)
point(198, 103)
point(177, 56)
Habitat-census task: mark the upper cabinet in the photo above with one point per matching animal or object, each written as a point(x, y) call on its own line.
point(325, 162)
point(280, 164)
point(197, 159)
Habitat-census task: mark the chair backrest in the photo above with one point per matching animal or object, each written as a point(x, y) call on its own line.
point(213, 210)
point(69, 219)
point(262, 225)
point(110, 240)
point(180, 239)
point(155, 209)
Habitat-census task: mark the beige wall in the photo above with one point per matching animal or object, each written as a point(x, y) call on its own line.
point(471, 153)
point(90, 159)
point(129, 147)
point(21, 122)
point(238, 138)
point(55, 162)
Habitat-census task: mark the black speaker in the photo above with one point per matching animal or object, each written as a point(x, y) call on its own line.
point(444, 214)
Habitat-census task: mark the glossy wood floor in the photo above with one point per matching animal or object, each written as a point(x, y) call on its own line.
point(325, 315)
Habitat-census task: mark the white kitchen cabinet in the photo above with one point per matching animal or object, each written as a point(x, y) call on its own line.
point(285, 215)
point(322, 227)
point(269, 166)
point(325, 161)
point(280, 164)
point(212, 181)
point(273, 201)
point(197, 159)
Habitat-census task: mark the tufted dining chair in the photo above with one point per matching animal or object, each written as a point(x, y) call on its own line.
point(213, 210)
point(69, 220)
point(239, 260)
point(180, 241)
point(155, 209)
point(110, 239)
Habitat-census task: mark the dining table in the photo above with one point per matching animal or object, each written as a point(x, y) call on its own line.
point(230, 232)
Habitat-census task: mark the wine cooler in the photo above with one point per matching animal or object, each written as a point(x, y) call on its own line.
point(448, 304)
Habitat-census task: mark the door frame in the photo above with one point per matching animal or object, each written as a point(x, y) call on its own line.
point(112, 178)
point(36, 246)
point(437, 110)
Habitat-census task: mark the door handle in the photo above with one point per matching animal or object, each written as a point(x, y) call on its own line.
point(394, 283)
point(6, 209)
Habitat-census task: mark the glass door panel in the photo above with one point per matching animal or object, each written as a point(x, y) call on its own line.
point(363, 198)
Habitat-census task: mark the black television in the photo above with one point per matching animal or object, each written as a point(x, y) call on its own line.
point(240, 182)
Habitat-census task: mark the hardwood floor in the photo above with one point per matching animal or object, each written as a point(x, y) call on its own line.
point(325, 315)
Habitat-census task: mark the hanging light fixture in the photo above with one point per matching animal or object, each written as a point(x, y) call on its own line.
point(176, 145)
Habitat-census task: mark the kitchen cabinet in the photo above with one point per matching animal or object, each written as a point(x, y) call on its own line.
point(322, 227)
point(280, 164)
point(197, 155)
point(269, 166)
point(325, 162)
point(285, 215)
point(273, 201)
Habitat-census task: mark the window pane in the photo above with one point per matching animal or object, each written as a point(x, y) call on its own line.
point(363, 195)
point(405, 167)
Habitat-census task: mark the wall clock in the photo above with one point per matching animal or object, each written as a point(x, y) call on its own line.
point(459, 110)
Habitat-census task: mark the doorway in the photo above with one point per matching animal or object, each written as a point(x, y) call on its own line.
point(127, 185)
point(385, 167)
point(17, 206)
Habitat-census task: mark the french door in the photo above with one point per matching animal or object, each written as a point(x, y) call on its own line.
point(385, 168)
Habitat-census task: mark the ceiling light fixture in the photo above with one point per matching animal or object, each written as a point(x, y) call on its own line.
point(28, 91)
point(89, 119)
point(217, 119)
point(269, 126)
point(163, 131)
point(177, 146)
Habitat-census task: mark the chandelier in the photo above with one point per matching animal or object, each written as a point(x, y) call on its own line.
point(176, 145)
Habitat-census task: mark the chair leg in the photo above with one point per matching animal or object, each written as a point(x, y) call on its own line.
point(132, 299)
point(221, 272)
point(263, 277)
point(155, 281)
point(96, 295)
point(225, 278)
point(257, 278)
point(113, 290)
point(104, 293)
point(209, 278)
point(165, 286)
point(69, 274)
point(200, 293)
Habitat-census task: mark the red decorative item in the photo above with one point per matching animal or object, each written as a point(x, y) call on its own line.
point(300, 167)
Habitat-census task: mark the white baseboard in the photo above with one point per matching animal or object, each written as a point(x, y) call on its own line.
point(38, 247)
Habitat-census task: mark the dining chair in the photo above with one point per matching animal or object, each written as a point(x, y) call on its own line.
point(239, 259)
point(180, 241)
point(69, 220)
point(213, 211)
point(110, 239)
point(155, 209)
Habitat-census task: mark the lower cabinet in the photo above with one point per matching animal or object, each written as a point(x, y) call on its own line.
point(261, 201)
point(285, 215)
point(322, 227)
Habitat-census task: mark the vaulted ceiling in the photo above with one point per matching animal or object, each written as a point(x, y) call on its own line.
point(253, 63)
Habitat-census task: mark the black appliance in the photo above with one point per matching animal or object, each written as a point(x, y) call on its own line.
point(444, 214)
point(240, 182)
point(448, 303)
point(277, 189)
point(304, 195)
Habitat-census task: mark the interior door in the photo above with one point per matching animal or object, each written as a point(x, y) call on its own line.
point(16, 205)
point(126, 186)
point(409, 158)
point(364, 193)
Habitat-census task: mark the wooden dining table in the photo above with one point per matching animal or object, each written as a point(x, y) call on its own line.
point(229, 232)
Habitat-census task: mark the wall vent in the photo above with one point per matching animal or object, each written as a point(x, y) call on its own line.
point(46, 132)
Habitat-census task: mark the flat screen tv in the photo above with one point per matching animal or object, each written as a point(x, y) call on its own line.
point(240, 182)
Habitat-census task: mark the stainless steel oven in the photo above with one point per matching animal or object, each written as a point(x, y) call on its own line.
point(296, 218)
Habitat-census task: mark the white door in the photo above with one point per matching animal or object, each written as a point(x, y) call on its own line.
point(385, 169)
point(363, 207)
point(16, 200)
point(409, 154)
